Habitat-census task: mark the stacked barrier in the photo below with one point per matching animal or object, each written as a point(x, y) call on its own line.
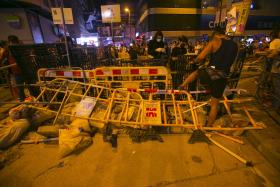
point(133, 77)
point(135, 112)
point(47, 74)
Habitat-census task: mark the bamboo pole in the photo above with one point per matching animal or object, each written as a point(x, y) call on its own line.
point(174, 108)
point(60, 108)
point(227, 108)
point(250, 117)
point(180, 113)
point(247, 163)
point(230, 138)
point(164, 113)
point(191, 107)
point(127, 108)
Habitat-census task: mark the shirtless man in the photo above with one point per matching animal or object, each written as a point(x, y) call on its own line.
point(223, 52)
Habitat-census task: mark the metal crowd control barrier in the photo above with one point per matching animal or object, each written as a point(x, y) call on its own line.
point(133, 77)
point(47, 74)
point(128, 109)
point(139, 62)
point(113, 111)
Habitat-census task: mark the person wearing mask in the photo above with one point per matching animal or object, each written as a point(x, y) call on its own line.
point(223, 52)
point(156, 47)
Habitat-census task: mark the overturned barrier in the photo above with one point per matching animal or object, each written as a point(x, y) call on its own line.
point(121, 108)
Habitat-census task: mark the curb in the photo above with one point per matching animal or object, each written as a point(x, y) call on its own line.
point(266, 146)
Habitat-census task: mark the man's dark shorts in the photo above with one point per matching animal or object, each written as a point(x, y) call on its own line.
point(216, 86)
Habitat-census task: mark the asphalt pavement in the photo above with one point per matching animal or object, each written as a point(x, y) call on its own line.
point(173, 162)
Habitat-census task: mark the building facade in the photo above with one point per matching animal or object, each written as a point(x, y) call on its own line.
point(195, 17)
point(30, 20)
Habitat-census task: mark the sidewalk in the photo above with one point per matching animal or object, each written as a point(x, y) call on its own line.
point(266, 141)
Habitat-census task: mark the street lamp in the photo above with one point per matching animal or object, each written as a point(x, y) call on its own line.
point(127, 10)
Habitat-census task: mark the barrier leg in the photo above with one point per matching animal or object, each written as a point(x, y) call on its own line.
point(198, 135)
point(246, 162)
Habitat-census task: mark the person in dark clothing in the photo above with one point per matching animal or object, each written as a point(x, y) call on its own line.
point(183, 48)
point(156, 47)
point(17, 76)
point(15, 72)
point(223, 52)
point(133, 51)
point(183, 44)
point(175, 49)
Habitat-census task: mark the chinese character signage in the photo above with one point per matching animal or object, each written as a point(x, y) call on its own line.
point(68, 16)
point(237, 17)
point(57, 16)
point(152, 112)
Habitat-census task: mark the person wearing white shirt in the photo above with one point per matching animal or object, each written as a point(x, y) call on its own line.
point(274, 54)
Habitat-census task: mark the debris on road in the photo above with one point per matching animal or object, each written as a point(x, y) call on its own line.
point(76, 115)
point(246, 162)
point(72, 141)
point(12, 131)
point(233, 121)
point(21, 112)
point(44, 140)
point(48, 130)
